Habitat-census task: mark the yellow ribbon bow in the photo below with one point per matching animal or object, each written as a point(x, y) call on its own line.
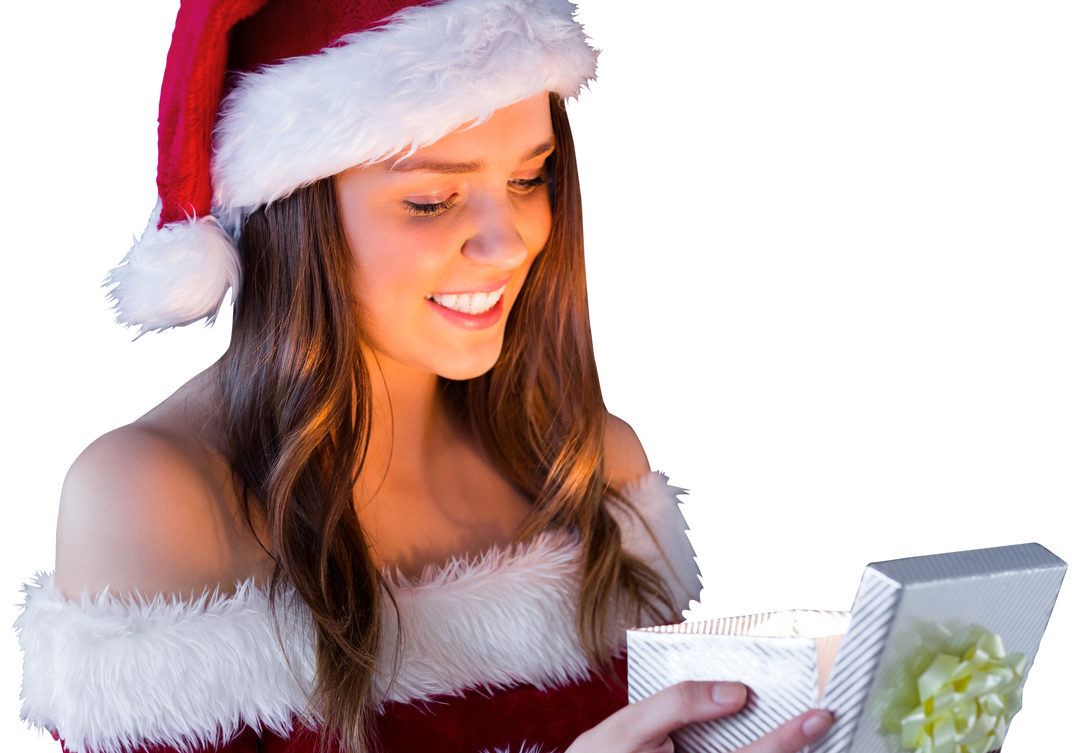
point(965, 701)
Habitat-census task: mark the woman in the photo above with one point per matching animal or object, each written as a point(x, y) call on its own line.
point(396, 513)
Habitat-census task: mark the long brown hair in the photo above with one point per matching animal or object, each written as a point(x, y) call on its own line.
point(297, 404)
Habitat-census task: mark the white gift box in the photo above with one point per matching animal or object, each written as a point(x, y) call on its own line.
point(866, 668)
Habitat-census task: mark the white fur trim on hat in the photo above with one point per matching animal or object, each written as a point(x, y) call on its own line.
point(110, 673)
point(431, 69)
point(174, 275)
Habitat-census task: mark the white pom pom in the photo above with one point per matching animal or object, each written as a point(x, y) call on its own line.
point(174, 275)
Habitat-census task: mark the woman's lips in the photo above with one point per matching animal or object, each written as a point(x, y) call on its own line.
point(488, 318)
point(468, 303)
point(487, 287)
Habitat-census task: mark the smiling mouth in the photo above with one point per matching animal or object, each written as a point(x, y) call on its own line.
point(467, 303)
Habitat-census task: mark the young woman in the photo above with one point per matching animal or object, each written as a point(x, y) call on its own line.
point(396, 514)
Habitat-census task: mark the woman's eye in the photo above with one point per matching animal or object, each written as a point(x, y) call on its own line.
point(528, 185)
point(426, 210)
point(520, 187)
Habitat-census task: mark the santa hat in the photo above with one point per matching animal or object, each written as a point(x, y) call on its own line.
point(262, 97)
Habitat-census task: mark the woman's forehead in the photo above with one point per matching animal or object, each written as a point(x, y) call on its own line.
point(447, 164)
point(517, 133)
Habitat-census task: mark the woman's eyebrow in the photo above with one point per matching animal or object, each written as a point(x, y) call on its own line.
point(439, 166)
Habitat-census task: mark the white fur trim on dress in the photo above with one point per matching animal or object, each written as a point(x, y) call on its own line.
point(393, 89)
point(174, 275)
point(657, 502)
point(525, 748)
point(110, 673)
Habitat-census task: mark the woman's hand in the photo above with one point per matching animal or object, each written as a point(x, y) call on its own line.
point(643, 727)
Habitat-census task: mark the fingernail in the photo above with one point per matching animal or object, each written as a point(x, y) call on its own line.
point(729, 693)
point(817, 723)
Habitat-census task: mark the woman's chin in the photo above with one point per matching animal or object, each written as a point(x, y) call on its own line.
point(469, 365)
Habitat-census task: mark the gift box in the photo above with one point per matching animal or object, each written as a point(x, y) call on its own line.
point(932, 657)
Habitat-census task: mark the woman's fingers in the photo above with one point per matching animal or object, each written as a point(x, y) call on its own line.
point(643, 727)
point(682, 704)
point(794, 735)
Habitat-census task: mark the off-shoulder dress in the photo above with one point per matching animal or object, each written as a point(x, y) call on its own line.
point(490, 659)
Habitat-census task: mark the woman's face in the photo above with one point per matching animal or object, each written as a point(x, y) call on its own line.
point(444, 238)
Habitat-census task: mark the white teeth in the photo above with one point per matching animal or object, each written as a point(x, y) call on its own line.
point(468, 303)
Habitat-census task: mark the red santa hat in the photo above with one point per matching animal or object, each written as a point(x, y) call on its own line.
point(262, 97)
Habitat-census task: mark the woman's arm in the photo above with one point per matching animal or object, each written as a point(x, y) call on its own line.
point(624, 458)
point(144, 514)
point(140, 513)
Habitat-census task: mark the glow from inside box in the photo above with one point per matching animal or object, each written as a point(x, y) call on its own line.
point(827, 629)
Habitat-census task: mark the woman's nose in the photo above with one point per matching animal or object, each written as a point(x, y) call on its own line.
point(495, 240)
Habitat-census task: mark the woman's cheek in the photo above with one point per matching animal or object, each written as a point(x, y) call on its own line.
point(537, 228)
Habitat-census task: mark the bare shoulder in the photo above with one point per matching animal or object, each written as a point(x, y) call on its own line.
point(144, 510)
point(625, 461)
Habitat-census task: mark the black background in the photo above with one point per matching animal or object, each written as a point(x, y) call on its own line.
point(826, 288)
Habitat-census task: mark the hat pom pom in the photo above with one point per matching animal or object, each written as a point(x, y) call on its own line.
point(174, 275)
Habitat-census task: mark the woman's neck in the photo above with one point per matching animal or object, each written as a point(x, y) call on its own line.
point(427, 492)
point(408, 426)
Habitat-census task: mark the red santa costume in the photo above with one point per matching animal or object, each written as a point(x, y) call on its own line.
point(259, 98)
